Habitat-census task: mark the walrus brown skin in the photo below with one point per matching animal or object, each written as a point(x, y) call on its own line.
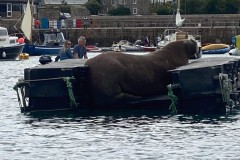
point(117, 77)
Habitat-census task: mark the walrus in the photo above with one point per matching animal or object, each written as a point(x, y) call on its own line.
point(117, 78)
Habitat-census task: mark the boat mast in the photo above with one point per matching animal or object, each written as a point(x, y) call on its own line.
point(178, 5)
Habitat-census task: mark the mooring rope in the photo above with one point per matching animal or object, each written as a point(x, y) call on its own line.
point(225, 89)
point(20, 84)
point(73, 103)
point(174, 99)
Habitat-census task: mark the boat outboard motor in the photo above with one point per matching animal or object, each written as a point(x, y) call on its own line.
point(45, 59)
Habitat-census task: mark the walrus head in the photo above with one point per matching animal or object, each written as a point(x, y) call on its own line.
point(192, 47)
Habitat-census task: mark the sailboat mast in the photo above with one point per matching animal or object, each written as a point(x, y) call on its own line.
point(178, 4)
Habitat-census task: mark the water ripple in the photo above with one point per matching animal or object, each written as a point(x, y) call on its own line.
point(120, 137)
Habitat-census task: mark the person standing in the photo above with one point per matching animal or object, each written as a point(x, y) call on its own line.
point(65, 52)
point(79, 50)
point(146, 41)
point(85, 22)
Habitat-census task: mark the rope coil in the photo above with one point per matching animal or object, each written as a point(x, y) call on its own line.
point(20, 85)
point(73, 103)
point(225, 89)
point(174, 99)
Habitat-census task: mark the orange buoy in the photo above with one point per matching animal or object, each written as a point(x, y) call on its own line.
point(23, 56)
point(20, 40)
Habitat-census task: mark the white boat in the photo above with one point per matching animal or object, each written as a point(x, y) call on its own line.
point(171, 35)
point(10, 49)
point(126, 46)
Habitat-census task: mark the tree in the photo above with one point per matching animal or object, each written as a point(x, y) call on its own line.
point(165, 9)
point(65, 8)
point(232, 6)
point(200, 7)
point(120, 11)
point(93, 6)
point(192, 6)
point(215, 7)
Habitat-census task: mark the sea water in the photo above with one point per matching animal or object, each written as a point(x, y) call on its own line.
point(109, 136)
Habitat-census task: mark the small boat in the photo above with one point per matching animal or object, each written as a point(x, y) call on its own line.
point(10, 49)
point(93, 48)
point(119, 49)
point(149, 48)
point(127, 46)
point(51, 45)
point(234, 52)
point(215, 49)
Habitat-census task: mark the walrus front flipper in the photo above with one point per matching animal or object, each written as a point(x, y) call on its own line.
point(125, 97)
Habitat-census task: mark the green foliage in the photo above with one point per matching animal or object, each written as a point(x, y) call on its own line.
point(120, 11)
point(215, 7)
point(65, 8)
point(232, 6)
point(164, 10)
point(199, 7)
point(64, 2)
point(93, 6)
point(193, 7)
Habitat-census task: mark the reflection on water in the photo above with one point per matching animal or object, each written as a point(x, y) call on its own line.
point(109, 135)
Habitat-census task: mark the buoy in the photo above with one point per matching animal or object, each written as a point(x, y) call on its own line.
point(20, 40)
point(4, 55)
point(23, 56)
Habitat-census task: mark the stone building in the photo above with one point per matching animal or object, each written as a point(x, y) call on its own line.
point(15, 8)
point(137, 7)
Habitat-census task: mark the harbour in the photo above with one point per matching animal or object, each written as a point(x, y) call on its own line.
point(199, 121)
point(109, 135)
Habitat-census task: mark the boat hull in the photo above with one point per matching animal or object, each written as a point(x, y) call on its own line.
point(11, 52)
point(149, 49)
point(216, 51)
point(38, 50)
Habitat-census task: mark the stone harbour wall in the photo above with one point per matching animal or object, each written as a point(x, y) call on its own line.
point(105, 30)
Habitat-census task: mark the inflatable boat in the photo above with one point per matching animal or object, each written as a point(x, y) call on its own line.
point(215, 49)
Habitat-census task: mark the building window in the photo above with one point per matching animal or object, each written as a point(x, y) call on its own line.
point(16, 7)
point(120, 1)
point(104, 2)
point(112, 1)
point(134, 1)
point(125, 2)
point(9, 9)
point(134, 10)
point(116, 1)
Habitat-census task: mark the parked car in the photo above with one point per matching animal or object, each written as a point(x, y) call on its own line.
point(65, 15)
